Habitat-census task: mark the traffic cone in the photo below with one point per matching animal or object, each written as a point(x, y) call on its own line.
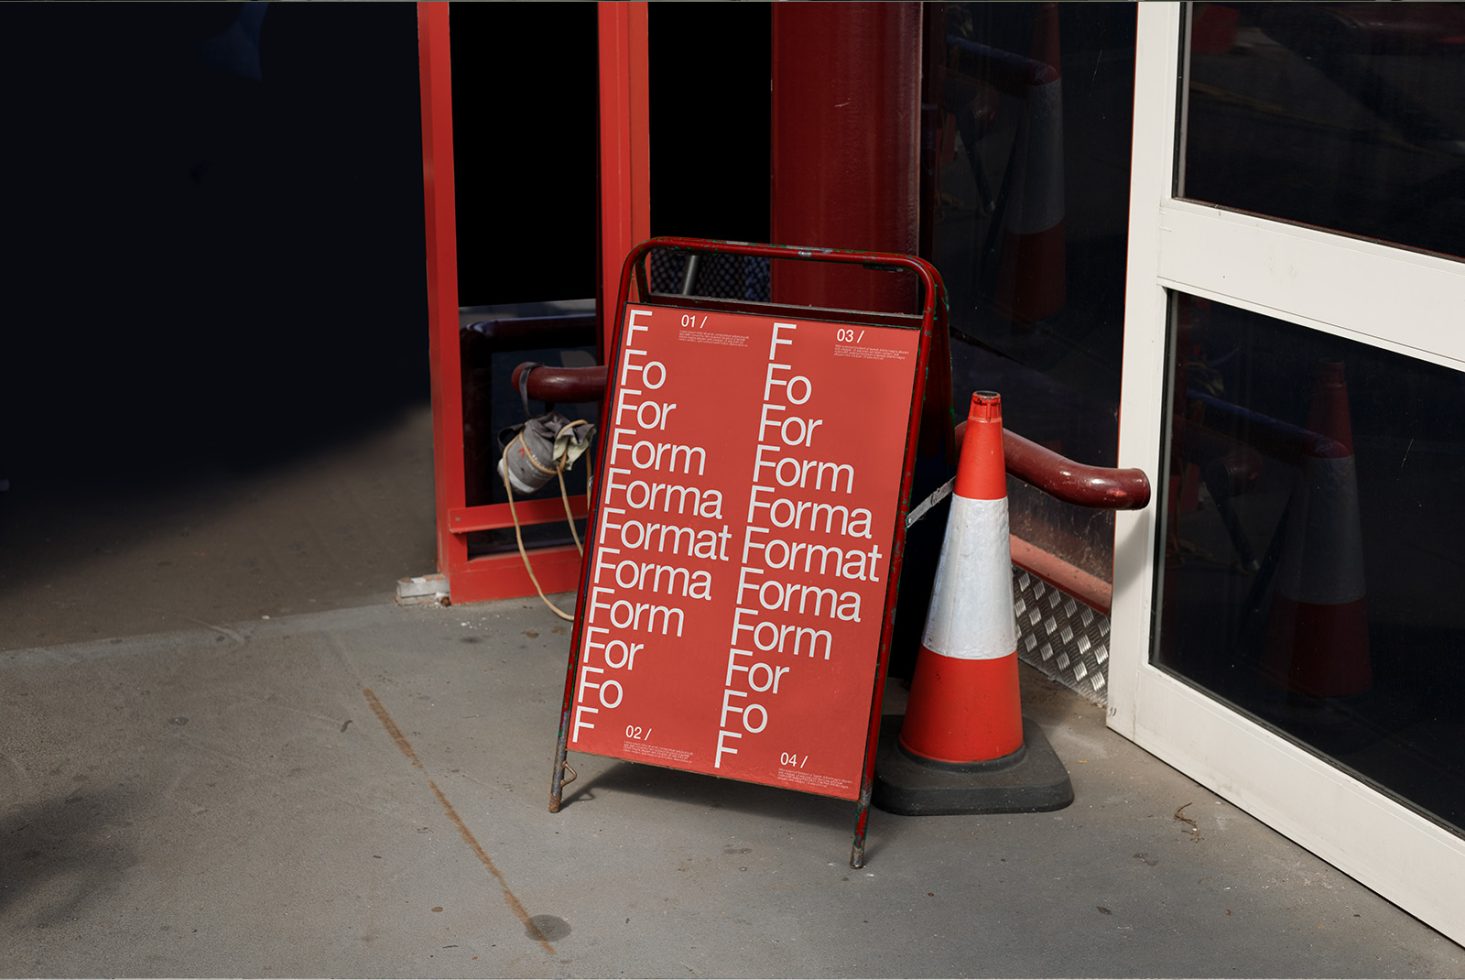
point(1316, 640)
point(1031, 282)
point(964, 746)
point(964, 703)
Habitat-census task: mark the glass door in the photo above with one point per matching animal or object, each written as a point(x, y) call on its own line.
point(1289, 616)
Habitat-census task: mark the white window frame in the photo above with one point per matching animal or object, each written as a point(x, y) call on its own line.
point(1393, 298)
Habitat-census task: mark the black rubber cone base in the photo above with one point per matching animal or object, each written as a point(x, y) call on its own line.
point(1031, 780)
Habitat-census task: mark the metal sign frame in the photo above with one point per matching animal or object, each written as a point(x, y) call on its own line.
point(635, 281)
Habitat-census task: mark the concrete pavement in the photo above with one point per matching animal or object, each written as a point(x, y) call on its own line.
point(361, 792)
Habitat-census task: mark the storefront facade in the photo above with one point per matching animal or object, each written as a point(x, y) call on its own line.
point(1217, 243)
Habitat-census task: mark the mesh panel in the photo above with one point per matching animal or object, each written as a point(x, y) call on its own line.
point(714, 276)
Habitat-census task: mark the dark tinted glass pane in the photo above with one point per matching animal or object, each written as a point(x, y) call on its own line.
point(710, 117)
point(1026, 181)
point(1313, 559)
point(524, 153)
point(1347, 116)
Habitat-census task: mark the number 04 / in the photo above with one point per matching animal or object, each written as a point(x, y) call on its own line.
point(847, 335)
point(792, 759)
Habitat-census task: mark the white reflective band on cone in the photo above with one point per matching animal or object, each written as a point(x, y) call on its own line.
point(971, 601)
point(1322, 555)
point(1036, 201)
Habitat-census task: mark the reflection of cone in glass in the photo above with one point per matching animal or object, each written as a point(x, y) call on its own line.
point(1031, 280)
point(963, 747)
point(964, 700)
point(1317, 634)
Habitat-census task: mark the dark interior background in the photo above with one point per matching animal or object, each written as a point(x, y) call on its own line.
point(213, 232)
point(213, 227)
point(525, 139)
point(710, 66)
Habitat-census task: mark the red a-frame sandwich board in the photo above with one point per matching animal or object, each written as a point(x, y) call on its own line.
point(746, 531)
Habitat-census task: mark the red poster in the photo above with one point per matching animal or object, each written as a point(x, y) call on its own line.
point(740, 558)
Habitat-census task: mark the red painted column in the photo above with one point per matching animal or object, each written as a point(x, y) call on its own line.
point(625, 147)
point(846, 120)
point(435, 74)
point(845, 145)
point(846, 165)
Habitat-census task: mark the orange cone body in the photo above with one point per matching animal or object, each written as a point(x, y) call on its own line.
point(964, 704)
point(1317, 632)
point(1032, 273)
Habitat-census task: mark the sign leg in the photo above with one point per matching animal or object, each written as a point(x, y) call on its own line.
point(862, 820)
point(557, 778)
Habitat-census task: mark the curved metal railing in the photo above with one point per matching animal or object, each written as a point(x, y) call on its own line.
point(1099, 487)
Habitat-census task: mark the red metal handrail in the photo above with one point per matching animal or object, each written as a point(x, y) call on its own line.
point(562, 384)
point(1099, 487)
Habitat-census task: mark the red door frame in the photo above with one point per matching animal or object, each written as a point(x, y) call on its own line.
point(625, 221)
point(625, 147)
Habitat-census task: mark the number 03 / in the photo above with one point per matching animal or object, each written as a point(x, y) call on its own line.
point(847, 335)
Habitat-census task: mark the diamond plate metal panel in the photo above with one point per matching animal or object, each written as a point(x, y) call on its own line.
point(1065, 639)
